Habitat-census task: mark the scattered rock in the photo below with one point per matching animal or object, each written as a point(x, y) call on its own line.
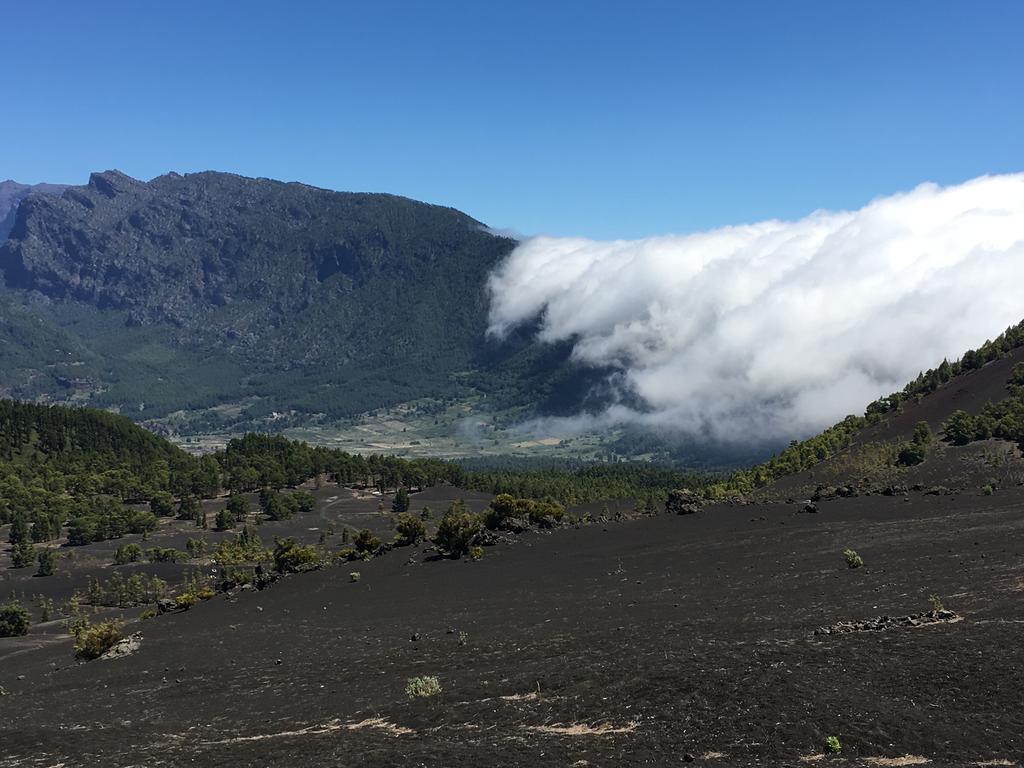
point(881, 623)
point(165, 606)
point(514, 524)
point(682, 502)
point(124, 647)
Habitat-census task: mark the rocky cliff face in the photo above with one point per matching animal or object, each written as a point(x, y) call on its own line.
point(257, 265)
point(193, 292)
point(11, 195)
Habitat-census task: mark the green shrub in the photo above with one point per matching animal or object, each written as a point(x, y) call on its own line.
point(290, 556)
point(476, 553)
point(162, 504)
point(95, 640)
point(504, 506)
point(238, 506)
point(365, 541)
point(922, 433)
point(345, 554)
point(166, 555)
point(47, 562)
point(400, 504)
point(245, 548)
point(14, 619)
point(188, 508)
point(832, 745)
point(224, 520)
point(959, 428)
point(410, 529)
point(422, 687)
point(853, 560)
point(128, 553)
point(185, 600)
point(354, 576)
point(205, 593)
point(196, 548)
point(457, 531)
point(910, 454)
point(936, 603)
point(988, 489)
point(23, 555)
point(282, 506)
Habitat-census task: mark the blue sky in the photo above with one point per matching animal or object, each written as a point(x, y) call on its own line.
point(570, 118)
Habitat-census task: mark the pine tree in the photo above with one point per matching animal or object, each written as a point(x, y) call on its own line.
point(47, 562)
point(401, 501)
point(19, 530)
point(23, 554)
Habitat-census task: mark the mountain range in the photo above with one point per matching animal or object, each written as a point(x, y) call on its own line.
point(11, 195)
point(234, 300)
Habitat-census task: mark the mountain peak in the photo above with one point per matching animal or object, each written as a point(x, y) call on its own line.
point(113, 182)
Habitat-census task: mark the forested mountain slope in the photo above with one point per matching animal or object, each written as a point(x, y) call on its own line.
point(978, 397)
point(187, 292)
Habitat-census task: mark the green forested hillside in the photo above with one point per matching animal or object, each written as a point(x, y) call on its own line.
point(102, 476)
point(189, 292)
point(1002, 418)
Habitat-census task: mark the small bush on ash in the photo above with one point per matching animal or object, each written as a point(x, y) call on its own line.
point(409, 529)
point(365, 541)
point(290, 556)
point(422, 687)
point(936, 602)
point(832, 745)
point(93, 641)
point(457, 531)
point(128, 553)
point(853, 560)
point(47, 562)
point(354, 576)
point(14, 619)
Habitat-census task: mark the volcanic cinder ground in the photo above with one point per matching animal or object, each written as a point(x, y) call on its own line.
point(655, 641)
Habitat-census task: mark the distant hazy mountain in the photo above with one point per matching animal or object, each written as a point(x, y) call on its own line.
point(11, 195)
point(187, 292)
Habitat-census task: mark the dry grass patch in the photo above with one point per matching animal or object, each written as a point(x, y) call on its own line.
point(584, 729)
point(379, 724)
point(897, 761)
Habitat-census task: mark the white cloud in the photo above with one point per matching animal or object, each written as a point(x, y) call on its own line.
point(774, 330)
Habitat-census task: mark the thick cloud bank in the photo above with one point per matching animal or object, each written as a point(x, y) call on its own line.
point(774, 330)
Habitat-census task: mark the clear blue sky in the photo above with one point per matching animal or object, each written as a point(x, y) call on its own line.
point(592, 118)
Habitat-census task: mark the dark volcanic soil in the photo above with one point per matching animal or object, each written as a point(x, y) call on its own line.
point(648, 642)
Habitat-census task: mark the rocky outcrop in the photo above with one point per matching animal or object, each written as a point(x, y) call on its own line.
point(683, 502)
point(125, 647)
point(881, 623)
point(12, 194)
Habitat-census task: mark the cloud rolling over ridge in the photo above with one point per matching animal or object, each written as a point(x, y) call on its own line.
point(774, 330)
